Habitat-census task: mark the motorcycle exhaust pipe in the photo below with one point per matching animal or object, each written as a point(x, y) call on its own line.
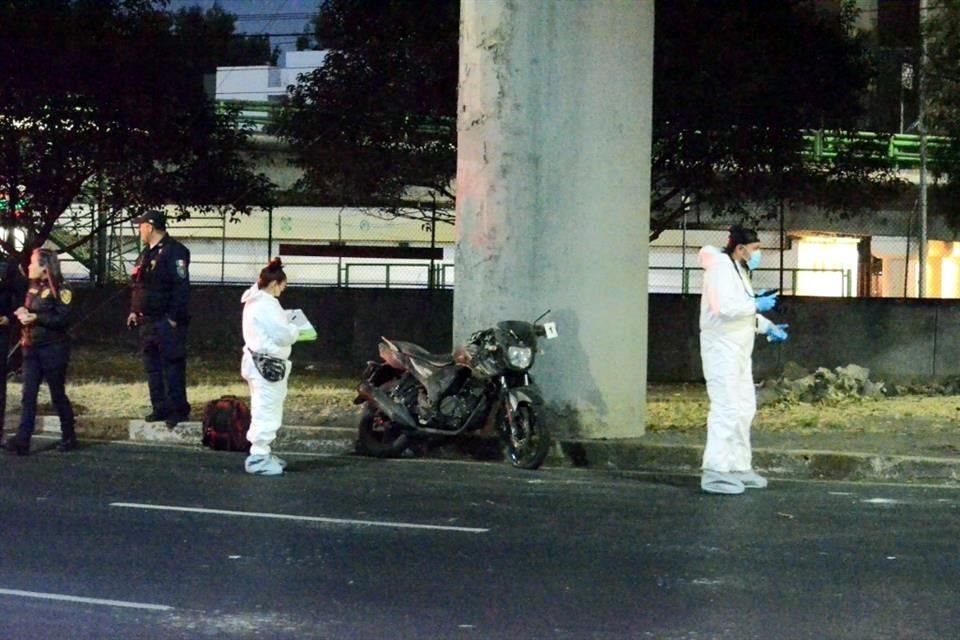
point(393, 410)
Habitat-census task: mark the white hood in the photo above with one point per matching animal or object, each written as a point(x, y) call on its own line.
point(708, 256)
point(252, 293)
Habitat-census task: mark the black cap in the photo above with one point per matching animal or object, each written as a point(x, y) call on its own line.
point(154, 217)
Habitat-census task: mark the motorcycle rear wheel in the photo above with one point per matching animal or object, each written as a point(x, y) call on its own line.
point(377, 437)
point(528, 440)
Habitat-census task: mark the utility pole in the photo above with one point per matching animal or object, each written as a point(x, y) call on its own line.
point(432, 276)
point(922, 128)
point(102, 224)
point(906, 82)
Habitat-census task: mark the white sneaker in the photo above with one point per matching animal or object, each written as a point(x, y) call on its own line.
point(751, 479)
point(262, 466)
point(721, 482)
point(280, 461)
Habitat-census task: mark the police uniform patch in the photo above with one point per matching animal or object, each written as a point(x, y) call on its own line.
point(45, 293)
point(181, 269)
point(66, 296)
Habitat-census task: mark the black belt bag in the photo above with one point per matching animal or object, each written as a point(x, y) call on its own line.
point(272, 369)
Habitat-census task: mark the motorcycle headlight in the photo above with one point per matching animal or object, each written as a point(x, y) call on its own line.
point(519, 357)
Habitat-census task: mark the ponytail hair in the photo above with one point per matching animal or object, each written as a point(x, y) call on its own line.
point(48, 260)
point(273, 272)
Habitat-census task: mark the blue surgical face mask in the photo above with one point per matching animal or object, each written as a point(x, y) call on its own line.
point(754, 261)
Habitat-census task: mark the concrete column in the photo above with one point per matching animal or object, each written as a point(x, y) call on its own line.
point(553, 195)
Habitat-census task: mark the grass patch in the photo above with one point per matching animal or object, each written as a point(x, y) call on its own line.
point(110, 382)
point(683, 408)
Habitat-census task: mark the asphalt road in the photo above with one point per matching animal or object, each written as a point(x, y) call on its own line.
point(122, 541)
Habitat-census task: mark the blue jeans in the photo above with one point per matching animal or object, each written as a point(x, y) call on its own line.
point(47, 362)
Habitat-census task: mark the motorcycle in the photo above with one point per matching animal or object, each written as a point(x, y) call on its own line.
point(412, 395)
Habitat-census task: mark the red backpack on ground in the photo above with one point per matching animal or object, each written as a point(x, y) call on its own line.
point(225, 424)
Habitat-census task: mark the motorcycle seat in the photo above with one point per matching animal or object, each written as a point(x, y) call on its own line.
point(421, 354)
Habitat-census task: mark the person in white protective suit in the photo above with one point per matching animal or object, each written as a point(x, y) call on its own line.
point(268, 335)
point(730, 319)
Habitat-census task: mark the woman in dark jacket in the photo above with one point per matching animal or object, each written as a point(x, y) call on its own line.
point(13, 287)
point(45, 316)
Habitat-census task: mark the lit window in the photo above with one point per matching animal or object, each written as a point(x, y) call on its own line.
point(827, 266)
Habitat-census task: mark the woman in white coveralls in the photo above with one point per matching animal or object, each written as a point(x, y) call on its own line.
point(729, 321)
point(268, 335)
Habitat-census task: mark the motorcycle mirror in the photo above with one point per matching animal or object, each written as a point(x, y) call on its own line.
point(542, 316)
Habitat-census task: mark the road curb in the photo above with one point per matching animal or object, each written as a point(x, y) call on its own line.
point(295, 439)
point(634, 454)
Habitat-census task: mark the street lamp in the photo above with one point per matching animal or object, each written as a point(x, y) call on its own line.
point(906, 83)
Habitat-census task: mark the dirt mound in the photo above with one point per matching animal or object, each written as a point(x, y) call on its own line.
point(821, 386)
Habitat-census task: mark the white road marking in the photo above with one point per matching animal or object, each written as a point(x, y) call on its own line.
point(284, 516)
point(64, 598)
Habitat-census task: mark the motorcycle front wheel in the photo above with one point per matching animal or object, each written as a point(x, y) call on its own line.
point(528, 441)
point(377, 437)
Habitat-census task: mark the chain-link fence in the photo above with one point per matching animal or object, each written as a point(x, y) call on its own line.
point(320, 246)
point(808, 254)
point(811, 254)
point(675, 263)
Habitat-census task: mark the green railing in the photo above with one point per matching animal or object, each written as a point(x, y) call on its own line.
point(255, 115)
point(763, 278)
point(392, 275)
point(901, 149)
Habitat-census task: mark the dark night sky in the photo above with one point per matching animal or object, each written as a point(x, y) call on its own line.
point(262, 16)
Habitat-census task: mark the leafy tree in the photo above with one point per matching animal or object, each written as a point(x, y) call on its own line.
point(99, 103)
point(736, 84)
point(378, 119)
point(207, 40)
point(942, 31)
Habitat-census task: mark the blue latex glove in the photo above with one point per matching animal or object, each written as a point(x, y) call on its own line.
point(766, 302)
point(777, 333)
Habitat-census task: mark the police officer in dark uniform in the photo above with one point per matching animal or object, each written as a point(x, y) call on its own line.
point(13, 288)
point(158, 306)
point(45, 317)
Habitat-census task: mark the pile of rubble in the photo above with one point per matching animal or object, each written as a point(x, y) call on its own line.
point(822, 386)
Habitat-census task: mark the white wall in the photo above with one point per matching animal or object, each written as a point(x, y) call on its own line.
point(263, 82)
point(255, 84)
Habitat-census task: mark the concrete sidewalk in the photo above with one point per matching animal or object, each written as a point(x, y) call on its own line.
point(908, 457)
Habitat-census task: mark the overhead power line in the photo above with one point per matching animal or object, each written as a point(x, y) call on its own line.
point(273, 16)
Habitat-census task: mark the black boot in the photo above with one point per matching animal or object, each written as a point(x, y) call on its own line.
point(67, 443)
point(176, 417)
point(13, 445)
